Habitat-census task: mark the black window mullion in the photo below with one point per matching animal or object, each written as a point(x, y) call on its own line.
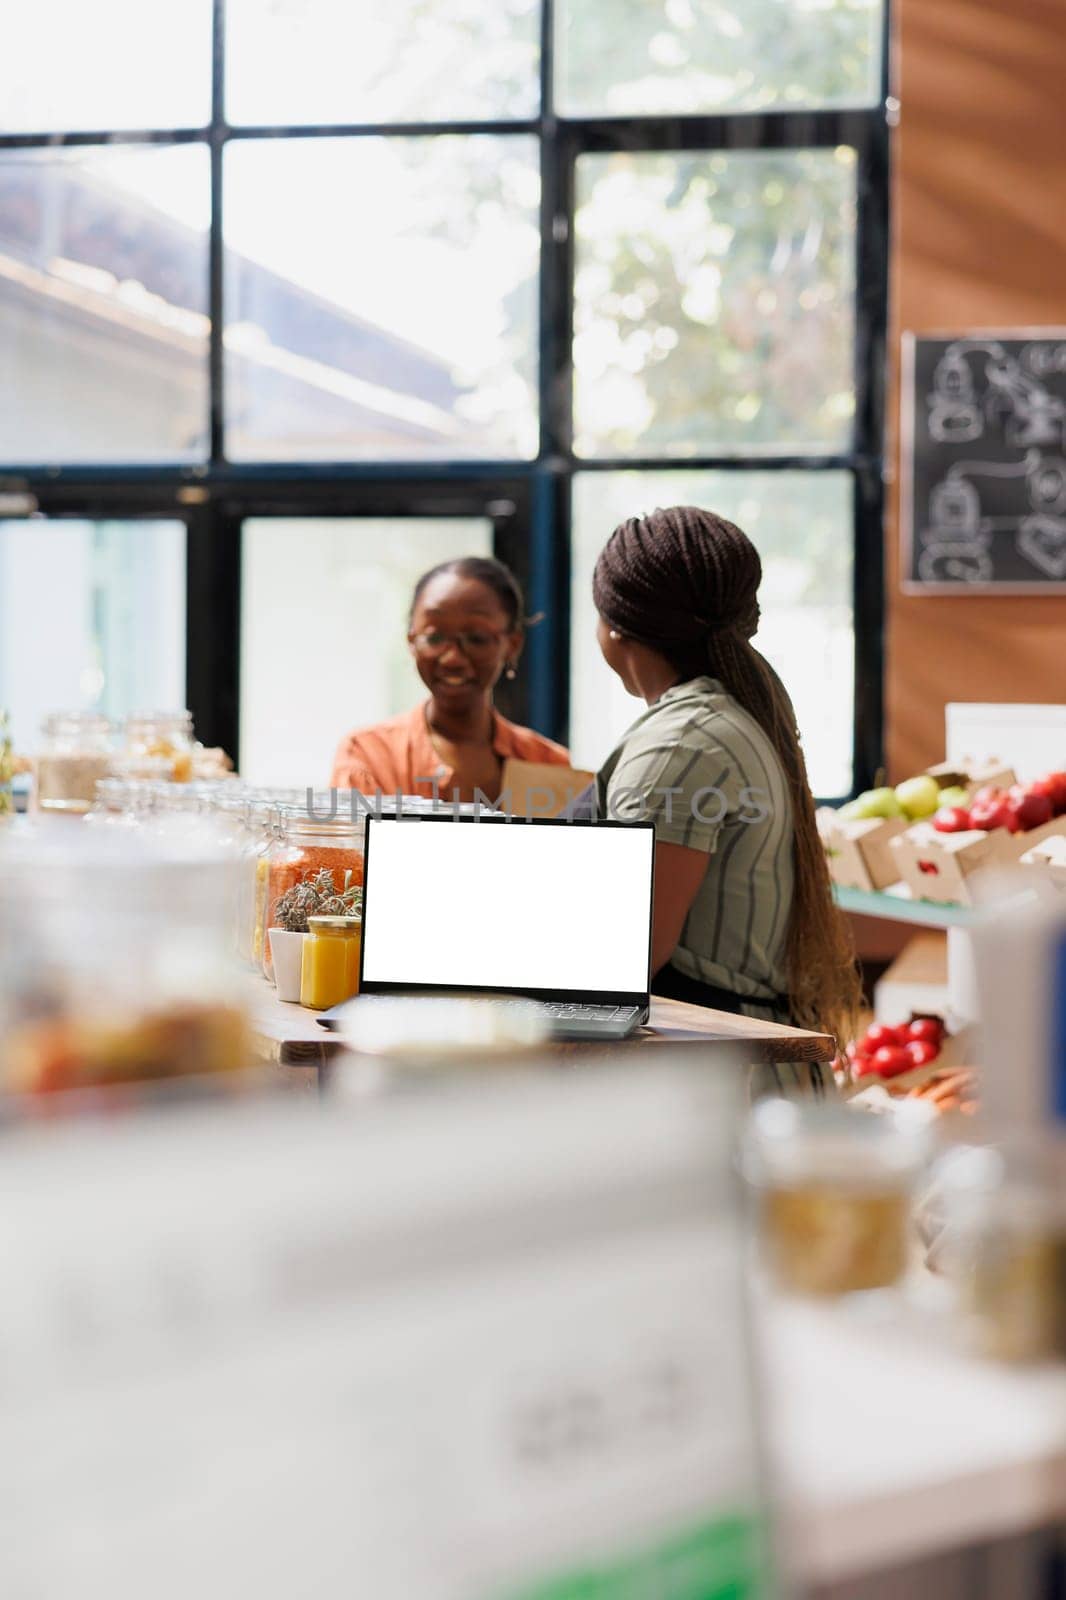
point(212, 626)
point(216, 247)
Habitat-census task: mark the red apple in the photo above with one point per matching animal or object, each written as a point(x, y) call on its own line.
point(952, 819)
point(1058, 791)
point(921, 1051)
point(993, 813)
point(881, 1033)
point(931, 1029)
point(1030, 810)
point(1048, 786)
point(891, 1060)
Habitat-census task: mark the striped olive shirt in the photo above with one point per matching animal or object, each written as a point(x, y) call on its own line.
point(698, 766)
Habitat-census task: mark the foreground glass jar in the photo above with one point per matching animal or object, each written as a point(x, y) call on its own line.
point(116, 964)
point(834, 1189)
point(1004, 1245)
point(76, 752)
point(329, 972)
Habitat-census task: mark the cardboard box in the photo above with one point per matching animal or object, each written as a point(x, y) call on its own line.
point(1049, 859)
point(540, 789)
point(973, 773)
point(916, 983)
point(857, 849)
point(943, 866)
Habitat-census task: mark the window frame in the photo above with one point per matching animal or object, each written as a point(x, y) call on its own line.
point(529, 502)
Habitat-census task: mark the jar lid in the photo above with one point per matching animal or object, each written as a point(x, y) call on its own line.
point(92, 721)
point(335, 922)
point(299, 823)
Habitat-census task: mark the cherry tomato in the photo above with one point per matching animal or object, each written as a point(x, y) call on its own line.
point(929, 1028)
point(890, 1060)
point(921, 1052)
point(881, 1033)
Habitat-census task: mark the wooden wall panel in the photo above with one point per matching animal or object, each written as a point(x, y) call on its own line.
point(979, 207)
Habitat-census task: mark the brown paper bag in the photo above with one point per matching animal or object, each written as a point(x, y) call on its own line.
point(540, 789)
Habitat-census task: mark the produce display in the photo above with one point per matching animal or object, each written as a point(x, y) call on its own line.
point(887, 1050)
point(1019, 809)
point(914, 799)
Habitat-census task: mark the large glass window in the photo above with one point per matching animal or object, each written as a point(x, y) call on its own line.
point(352, 287)
point(92, 617)
point(319, 61)
point(325, 603)
point(381, 298)
point(714, 302)
point(800, 522)
point(104, 304)
point(69, 64)
point(628, 58)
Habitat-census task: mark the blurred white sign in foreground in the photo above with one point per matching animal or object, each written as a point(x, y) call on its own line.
point(484, 1342)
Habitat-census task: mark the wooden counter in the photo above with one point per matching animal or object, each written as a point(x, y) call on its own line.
point(292, 1036)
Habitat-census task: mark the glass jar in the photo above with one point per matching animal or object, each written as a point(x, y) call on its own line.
point(305, 847)
point(329, 971)
point(116, 964)
point(76, 752)
point(1004, 1245)
point(158, 744)
point(7, 768)
point(835, 1189)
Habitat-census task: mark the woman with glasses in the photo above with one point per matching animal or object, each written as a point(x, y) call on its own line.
point(465, 632)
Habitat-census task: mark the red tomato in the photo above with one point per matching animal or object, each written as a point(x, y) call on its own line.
point(881, 1033)
point(891, 1060)
point(928, 1028)
point(921, 1052)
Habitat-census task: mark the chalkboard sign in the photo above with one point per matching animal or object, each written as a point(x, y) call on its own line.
point(983, 504)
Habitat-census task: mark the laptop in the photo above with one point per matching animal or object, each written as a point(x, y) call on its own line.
point(539, 910)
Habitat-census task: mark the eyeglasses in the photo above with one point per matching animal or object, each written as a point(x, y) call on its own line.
point(476, 642)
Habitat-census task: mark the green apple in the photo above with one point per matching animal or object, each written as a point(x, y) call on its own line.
point(919, 797)
point(955, 795)
point(872, 803)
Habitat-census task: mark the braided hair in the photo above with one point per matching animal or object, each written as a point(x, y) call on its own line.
point(685, 582)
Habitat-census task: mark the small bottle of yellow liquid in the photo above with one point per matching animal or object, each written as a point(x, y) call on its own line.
point(330, 969)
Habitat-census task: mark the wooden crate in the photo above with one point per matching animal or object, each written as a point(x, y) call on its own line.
point(972, 774)
point(857, 849)
point(942, 866)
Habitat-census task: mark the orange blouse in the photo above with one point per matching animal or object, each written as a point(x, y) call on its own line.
point(398, 755)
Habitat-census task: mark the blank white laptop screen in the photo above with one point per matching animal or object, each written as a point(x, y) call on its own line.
point(508, 905)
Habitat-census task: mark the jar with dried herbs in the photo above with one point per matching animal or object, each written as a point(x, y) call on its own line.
point(307, 846)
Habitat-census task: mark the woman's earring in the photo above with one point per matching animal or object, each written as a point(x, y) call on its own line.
point(509, 670)
point(614, 634)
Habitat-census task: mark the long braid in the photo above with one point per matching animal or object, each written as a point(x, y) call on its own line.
point(685, 582)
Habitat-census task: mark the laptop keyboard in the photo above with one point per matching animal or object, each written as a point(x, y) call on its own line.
point(571, 1020)
point(571, 1010)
